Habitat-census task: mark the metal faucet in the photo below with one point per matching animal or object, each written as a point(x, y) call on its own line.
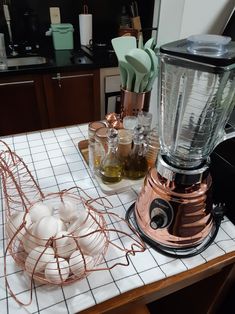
point(8, 20)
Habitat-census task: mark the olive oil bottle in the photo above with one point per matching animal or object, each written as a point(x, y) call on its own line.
point(136, 165)
point(111, 170)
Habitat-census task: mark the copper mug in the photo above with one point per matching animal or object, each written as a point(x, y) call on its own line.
point(132, 103)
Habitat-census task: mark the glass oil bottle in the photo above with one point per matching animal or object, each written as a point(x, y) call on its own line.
point(111, 170)
point(136, 165)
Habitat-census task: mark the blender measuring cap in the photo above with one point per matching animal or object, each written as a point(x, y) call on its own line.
point(208, 49)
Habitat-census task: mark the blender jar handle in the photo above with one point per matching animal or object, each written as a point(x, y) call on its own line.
point(229, 132)
point(229, 129)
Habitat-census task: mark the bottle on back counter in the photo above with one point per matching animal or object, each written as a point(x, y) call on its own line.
point(125, 27)
point(111, 170)
point(136, 165)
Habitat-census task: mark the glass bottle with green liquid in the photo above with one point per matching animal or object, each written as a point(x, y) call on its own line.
point(111, 170)
point(136, 165)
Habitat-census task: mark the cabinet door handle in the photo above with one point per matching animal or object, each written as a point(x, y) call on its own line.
point(59, 77)
point(16, 83)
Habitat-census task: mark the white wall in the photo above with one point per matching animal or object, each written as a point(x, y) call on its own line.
point(205, 16)
point(181, 18)
point(178, 19)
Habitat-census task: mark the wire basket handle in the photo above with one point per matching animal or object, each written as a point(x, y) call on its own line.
point(19, 186)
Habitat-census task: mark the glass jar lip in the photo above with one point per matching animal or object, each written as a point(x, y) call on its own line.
point(95, 125)
point(102, 132)
point(129, 122)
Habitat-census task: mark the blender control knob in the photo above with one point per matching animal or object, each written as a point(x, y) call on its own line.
point(160, 213)
point(157, 222)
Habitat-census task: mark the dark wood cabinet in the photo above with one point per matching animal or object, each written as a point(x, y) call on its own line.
point(35, 102)
point(23, 106)
point(72, 97)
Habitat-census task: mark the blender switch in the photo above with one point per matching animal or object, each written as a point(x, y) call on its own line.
point(160, 213)
point(157, 222)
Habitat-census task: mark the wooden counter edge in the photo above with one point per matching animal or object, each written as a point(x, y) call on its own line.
point(156, 290)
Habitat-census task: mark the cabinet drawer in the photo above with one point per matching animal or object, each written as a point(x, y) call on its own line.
point(22, 105)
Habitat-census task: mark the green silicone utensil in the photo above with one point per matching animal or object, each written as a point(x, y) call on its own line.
point(130, 74)
point(150, 43)
point(154, 68)
point(122, 45)
point(141, 64)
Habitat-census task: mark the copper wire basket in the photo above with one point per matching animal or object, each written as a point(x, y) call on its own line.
point(59, 238)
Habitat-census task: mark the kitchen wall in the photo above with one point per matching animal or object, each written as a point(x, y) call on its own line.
point(180, 18)
point(106, 16)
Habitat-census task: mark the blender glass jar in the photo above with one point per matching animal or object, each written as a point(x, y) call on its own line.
point(197, 96)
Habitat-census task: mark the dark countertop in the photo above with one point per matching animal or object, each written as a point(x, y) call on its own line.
point(66, 60)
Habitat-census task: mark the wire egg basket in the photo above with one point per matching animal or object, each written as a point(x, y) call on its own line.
point(59, 238)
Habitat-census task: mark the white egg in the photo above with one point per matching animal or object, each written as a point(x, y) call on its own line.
point(68, 210)
point(46, 227)
point(38, 258)
point(80, 222)
point(85, 220)
point(39, 210)
point(91, 244)
point(29, 240)
point(77, 263)
point(14, 222)
point(93, 221)
point(61, 225)
point(57, 271)
point(64, 244)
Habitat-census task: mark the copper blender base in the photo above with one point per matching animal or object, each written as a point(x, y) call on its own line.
point(178, 252)
point(184, 208)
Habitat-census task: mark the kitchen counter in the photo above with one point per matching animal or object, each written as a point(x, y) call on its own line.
point(66, 60)
point(55, 161)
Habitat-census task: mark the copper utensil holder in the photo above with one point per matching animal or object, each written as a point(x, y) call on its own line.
point(132, 103)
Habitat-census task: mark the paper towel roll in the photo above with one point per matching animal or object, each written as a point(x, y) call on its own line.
point(85, 28)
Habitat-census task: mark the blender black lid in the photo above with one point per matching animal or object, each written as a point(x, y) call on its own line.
point(209, 49)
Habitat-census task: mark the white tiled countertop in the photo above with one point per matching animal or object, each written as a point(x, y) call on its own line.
point(55, 161)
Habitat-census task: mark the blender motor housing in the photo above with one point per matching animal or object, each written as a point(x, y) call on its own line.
point(175, 212)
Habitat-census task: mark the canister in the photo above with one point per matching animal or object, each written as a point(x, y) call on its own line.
point(101, 145)
point(62, 35)
point(124, 143)
point(92, 128)
point(153, 147)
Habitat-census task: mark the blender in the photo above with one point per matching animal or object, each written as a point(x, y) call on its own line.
point(174, 211)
